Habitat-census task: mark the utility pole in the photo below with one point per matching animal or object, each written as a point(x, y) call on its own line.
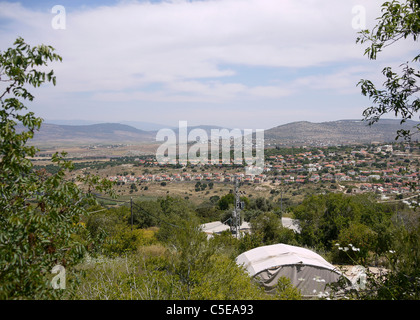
point(281, 201)
point(131, 206)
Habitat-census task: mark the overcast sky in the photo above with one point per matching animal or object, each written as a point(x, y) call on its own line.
point(233, 63)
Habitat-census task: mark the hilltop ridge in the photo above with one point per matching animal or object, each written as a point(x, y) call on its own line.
point(294, 133)
point(336, 132)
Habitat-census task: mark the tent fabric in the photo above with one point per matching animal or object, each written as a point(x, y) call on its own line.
point(307, 271)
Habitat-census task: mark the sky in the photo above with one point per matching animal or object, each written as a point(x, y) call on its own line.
point(250, 64)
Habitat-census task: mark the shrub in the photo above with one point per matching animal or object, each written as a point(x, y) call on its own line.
point(269, 226)
point(250, 241)
point(128, 241)
point(286, 291)
point(225, 280)
point(354, 244)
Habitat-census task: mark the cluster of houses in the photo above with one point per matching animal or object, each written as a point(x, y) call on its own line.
point(306, 167)
point(357, 167)
point(186, 176)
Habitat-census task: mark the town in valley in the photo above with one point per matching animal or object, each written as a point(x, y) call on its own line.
point(389, 170)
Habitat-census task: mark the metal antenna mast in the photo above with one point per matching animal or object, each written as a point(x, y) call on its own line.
point(236, 217)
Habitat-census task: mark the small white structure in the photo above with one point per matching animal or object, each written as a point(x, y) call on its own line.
point(218, 227)
point(307, 271)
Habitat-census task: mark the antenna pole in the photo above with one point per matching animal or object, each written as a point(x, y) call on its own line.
point(131, 207)
point(237, 211)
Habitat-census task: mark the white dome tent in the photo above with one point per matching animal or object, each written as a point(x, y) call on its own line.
point(307, 271)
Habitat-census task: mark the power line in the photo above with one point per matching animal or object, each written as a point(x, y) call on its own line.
point(136, 205)
point(115, 200)
point(171, 224)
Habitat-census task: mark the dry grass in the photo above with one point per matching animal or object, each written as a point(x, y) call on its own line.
point(154, 250)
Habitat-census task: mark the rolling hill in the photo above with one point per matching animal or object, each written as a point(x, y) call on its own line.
point(104, 133)
point(295, 133)
point(93, 133)
point(336, 132)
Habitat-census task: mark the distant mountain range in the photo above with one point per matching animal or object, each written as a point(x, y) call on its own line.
point(337, 132)
point(142, 125)
point(102, 133)
point(296, 133)
point(92, 133)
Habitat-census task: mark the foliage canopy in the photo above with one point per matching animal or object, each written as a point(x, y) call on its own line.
point(40, 212)
point(399, 21)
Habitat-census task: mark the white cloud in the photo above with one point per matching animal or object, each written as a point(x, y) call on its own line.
point(190, 49)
